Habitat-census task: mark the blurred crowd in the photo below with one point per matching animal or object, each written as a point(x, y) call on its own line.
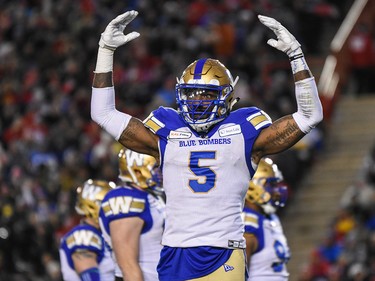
point(361, 46)
point(48, 144)
point(348, 250)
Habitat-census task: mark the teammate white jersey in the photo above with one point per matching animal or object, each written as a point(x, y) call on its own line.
point(213, 171)
point(268, 263)
point(124, 202)
point(85, 237)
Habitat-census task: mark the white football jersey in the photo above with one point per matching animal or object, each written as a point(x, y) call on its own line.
point(268, 263)
point(85, 237)
point(123, 202)
point(205, 178)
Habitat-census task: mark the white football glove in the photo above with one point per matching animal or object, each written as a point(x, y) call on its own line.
point(113, 35)
point(285, 42)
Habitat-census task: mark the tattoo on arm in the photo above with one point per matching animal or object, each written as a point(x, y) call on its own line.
point(138, 138)
point(83, 255)
point(128, 136)
point(102, 80)
point(287, 133)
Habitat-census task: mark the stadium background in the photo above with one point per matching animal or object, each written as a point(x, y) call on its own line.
point(49, 145)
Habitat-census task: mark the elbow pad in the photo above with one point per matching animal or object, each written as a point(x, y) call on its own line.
point(309, 108)
point(104, 113)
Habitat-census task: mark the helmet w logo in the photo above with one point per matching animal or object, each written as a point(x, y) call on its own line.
point(228, 267)
point(90, 191)
point(134, 159)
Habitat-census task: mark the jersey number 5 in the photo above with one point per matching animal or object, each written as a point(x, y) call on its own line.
point(202, 171)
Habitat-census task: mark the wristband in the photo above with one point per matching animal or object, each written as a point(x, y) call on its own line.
point(91, 274)
point(104, 62)
point(298, 63)
point(298, 56)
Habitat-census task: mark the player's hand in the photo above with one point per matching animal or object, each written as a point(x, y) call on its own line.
point(285, 42)
point(113, 35)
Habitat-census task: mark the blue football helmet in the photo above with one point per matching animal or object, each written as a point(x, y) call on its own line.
point(204, 94)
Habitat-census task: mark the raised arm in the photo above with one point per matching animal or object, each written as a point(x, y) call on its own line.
point(289, 129)
point(127, 130)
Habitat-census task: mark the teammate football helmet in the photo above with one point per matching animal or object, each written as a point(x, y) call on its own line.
point(204, 94)
point(266, 189)
point(140, 169)
point(90, 196)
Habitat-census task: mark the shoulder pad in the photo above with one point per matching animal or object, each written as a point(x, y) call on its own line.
point(253, 115)
point(83, 237)
point(163, 119)
point(124, 201)
point(251, 219)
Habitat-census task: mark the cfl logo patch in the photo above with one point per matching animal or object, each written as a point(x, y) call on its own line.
point(228, 267)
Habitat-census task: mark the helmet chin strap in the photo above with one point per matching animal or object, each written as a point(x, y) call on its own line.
point(234, 102)
point(201, 128)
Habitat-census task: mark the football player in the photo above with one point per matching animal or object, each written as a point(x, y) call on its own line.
point(207, 152)
point(266, 245)
point(132, 217)
point(84, 255)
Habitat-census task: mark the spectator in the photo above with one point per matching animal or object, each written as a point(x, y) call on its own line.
point(362, 58)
